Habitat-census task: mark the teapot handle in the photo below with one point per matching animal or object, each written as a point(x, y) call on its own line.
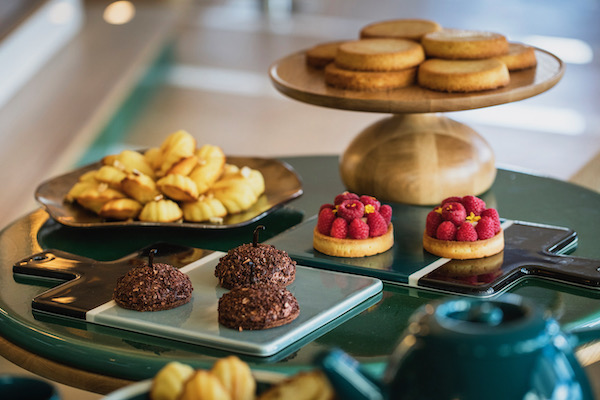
point(347, 378)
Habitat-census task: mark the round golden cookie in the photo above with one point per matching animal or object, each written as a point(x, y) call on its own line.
point(322, 54)
point(353, 247)
point(368, 81)
point(413, 29)
point(379, 54)
point(463, 75)
point(455, 44)
point(519, 57)
point(464, 250)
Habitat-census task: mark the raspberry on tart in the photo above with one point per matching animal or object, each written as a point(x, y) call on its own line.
point(358, 226)
point(463, 228)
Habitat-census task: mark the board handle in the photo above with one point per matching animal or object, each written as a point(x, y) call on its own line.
point(575, 270)
point(52, 263)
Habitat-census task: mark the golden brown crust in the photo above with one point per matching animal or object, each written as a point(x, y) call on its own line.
point(413, 29)
point(463, 75)
point(519, 57)
point(464, 250)
point(379, 55)
point(322, 54)
point(369, 81)
point(307, 385)
point(353, 247)
point(472, 267)
point(464, 44)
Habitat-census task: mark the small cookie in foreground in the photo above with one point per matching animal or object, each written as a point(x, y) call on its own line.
point(463, 228)
point(463, 75)
point(322, 54)
point(413, 29)
point(354, 226)
point(153, 287)
point(368, 80)
point(455, 44)
point(519, 57)
point(256, 307)
point(379, 55)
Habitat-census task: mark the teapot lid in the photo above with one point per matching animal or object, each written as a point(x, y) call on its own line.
point(485, 328)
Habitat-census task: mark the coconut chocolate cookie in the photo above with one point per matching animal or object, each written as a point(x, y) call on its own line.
point(379, 54)
point(455, 44)
point(253, 263)
point(260, 306)
point(368, 80)
point(413, 29)
point(463, 228)
point(153, 287)
point(463, 75)
point(519, 57)
point(354, 226)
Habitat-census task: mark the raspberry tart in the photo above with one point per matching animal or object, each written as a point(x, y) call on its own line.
point(354, 226)
point(463, 228)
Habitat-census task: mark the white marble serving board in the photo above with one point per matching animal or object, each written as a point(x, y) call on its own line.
point(323, 297)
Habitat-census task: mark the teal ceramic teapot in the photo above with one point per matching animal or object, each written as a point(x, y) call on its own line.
point(467, 349)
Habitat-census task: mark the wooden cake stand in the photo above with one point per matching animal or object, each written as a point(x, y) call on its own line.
point(416, 156)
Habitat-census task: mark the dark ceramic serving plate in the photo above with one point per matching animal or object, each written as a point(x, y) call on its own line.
point(282, 184)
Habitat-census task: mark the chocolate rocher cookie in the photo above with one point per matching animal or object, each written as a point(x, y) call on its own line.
point(259, 306)
point(153, 287)
point(253, 263)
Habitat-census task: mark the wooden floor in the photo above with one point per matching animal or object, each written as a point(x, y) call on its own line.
point(219, 90)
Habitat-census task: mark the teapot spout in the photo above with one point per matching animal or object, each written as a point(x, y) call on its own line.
point(348, 379)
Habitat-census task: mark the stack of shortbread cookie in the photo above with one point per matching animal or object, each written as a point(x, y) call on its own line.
point(398, 53)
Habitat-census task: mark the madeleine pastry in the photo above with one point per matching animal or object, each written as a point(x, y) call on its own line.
point(95, 197)
point(211, 161)
point(178, 187)
point(236, 377)
point(176, 147)
point(121, 209)
point(110, 175)
point(204, 385)
point(206, 208)
point(140, 187)
point(129, 161)
point(235, 194)
point(252, 177)
point(163, 210)
point(168, 382)
point(79, 187)
point(184, 166)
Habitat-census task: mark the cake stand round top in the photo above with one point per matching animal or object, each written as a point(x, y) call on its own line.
point(292, 77)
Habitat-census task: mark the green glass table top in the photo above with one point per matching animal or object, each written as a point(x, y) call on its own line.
point(134, 356)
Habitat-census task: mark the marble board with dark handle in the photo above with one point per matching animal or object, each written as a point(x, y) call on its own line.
point(85, 287)
point(531, 251)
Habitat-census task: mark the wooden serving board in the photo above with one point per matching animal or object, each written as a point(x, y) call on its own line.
point(531, 251)
point(326, 299)
point(292, 77)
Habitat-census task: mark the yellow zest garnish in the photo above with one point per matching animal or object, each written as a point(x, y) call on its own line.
point(335, 209)
point(438, 210)
point(473, 218)
point(369, 208)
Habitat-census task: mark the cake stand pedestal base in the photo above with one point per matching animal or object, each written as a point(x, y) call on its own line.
point(418, 159)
